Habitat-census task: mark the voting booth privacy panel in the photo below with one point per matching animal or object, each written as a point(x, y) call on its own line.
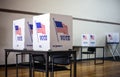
point(88, 40)
point(22, 33)
point(52, 32)
point(43, 32)
point(112, 38)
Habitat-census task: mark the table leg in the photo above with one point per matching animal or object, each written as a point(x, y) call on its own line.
point(47, 65)
point(95, 58)
point(102, 58)
point(81, 53)
point(74, 56)
point(30, 66)
point(16, 65)
point(6, 71)
point(103, 55)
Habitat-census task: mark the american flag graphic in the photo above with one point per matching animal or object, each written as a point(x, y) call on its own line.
point(17, 30)
point(31, 31)
point(92, 37)
point(84, 37)
point(110, 36)
point(40, 28)
point(61, 28)
point(31, 28)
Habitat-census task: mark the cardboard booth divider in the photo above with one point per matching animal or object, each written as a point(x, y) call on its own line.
point(52, 32)
point(22, 33)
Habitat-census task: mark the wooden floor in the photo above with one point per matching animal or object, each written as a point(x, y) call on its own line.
point(84, 69)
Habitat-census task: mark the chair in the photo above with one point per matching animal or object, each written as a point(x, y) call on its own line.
point(57, 63)
point(90, 50)
point(62, 61)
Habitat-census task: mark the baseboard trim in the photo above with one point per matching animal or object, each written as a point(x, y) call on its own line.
point(106, 58)
point(9, 65)
point(117, 58)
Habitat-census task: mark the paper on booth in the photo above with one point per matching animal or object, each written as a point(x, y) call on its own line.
point(22, 33)
point(92, 39)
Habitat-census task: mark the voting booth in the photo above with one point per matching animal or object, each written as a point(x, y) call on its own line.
point(112, 42)
point(52, 32)
point(22, 33)
point(88, 40)
point(112, 38)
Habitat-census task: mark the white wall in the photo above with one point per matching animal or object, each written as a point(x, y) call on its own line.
point(96, 9)
point(105, 10)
